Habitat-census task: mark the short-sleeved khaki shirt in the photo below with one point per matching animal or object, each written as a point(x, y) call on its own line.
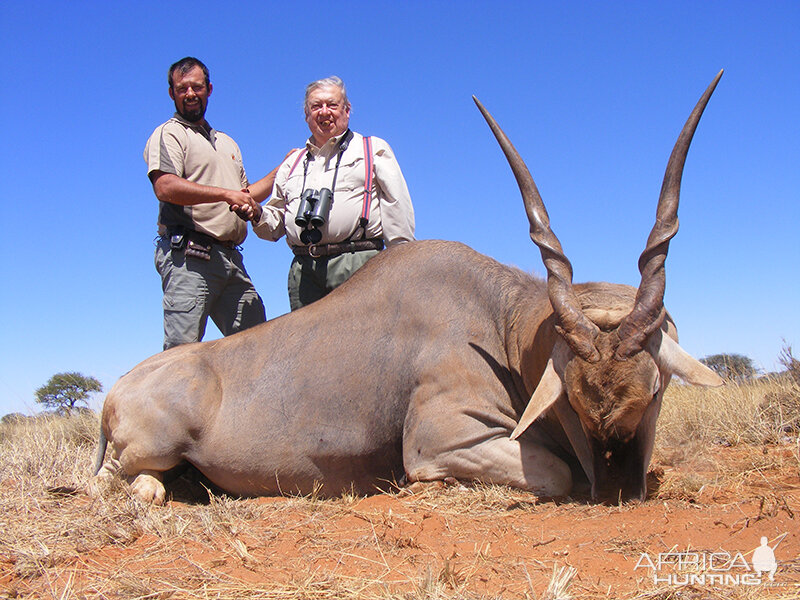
point(203, 156)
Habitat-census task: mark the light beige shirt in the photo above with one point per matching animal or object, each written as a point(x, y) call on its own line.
point(391, 214)
point(204, 156)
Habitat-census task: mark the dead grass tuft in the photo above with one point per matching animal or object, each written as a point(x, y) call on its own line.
point(558, 588)
point(48, 451)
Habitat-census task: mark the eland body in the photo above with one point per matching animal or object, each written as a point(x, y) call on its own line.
point(432, 361)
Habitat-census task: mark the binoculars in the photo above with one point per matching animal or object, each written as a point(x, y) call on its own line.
point(315, 206)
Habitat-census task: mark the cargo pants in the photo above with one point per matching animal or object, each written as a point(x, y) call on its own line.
point(195, 289)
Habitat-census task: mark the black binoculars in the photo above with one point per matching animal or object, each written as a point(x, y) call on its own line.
point(315, 206)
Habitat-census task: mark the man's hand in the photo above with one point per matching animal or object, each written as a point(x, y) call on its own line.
point(244, 206)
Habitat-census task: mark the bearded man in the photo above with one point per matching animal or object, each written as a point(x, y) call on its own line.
point(201, 185)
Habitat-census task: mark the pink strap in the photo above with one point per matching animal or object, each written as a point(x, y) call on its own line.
point(296, 162)
point(368, 160)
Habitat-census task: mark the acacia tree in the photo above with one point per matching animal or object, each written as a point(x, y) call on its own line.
point(730, 366)
point(64, 390)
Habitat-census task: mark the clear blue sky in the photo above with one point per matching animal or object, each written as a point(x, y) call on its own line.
point(593, 94)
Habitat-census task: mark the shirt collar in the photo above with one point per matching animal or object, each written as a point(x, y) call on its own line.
point(326, 148)
point(203, 127)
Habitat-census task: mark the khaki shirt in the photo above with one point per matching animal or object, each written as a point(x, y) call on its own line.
point(391, 215)
point(203, 156)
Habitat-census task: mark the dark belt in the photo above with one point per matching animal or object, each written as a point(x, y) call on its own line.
point(328, 250)
point(202, 238)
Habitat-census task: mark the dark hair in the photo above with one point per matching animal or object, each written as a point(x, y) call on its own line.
point(185, 65)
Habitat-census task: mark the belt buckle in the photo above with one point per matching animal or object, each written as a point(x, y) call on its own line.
point(311, 251)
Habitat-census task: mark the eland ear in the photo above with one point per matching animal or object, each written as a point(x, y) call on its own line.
point(578, 438)
point(645, 440)
point(673, 359)
point(544, 396)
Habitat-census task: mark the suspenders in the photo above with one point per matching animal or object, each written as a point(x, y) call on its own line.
point(367, 183)
point(296, 162)
point(368, 164)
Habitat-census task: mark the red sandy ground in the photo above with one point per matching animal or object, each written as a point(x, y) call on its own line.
point(385, 543)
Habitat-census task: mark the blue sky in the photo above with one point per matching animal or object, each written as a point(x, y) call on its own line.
point(593, 95)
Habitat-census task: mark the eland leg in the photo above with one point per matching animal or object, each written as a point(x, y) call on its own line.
point(518, 463)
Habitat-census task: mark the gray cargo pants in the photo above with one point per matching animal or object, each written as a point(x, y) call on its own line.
point(195, 289)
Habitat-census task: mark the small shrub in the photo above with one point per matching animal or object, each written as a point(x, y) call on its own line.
point(790, 363)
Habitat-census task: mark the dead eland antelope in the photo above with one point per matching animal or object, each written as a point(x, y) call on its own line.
point(432, 361)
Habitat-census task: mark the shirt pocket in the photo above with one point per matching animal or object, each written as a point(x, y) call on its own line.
point(351, 174)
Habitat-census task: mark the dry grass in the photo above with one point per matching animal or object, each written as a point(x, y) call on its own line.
point(766, 410)
point(49, 450)
point(694, 422)
point(61, 546)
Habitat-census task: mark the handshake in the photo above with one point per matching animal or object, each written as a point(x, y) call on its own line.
point(245, 207)
point(245, 203)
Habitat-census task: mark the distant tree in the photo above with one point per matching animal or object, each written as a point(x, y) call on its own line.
point(731, 366)
point(64, 390)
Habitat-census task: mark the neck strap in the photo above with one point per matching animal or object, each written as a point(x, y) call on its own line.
point(344, 141)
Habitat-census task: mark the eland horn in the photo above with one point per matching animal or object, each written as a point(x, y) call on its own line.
point(574, 326)
point(648, 310)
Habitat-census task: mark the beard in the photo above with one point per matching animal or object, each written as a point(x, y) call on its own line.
point(193, 114)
